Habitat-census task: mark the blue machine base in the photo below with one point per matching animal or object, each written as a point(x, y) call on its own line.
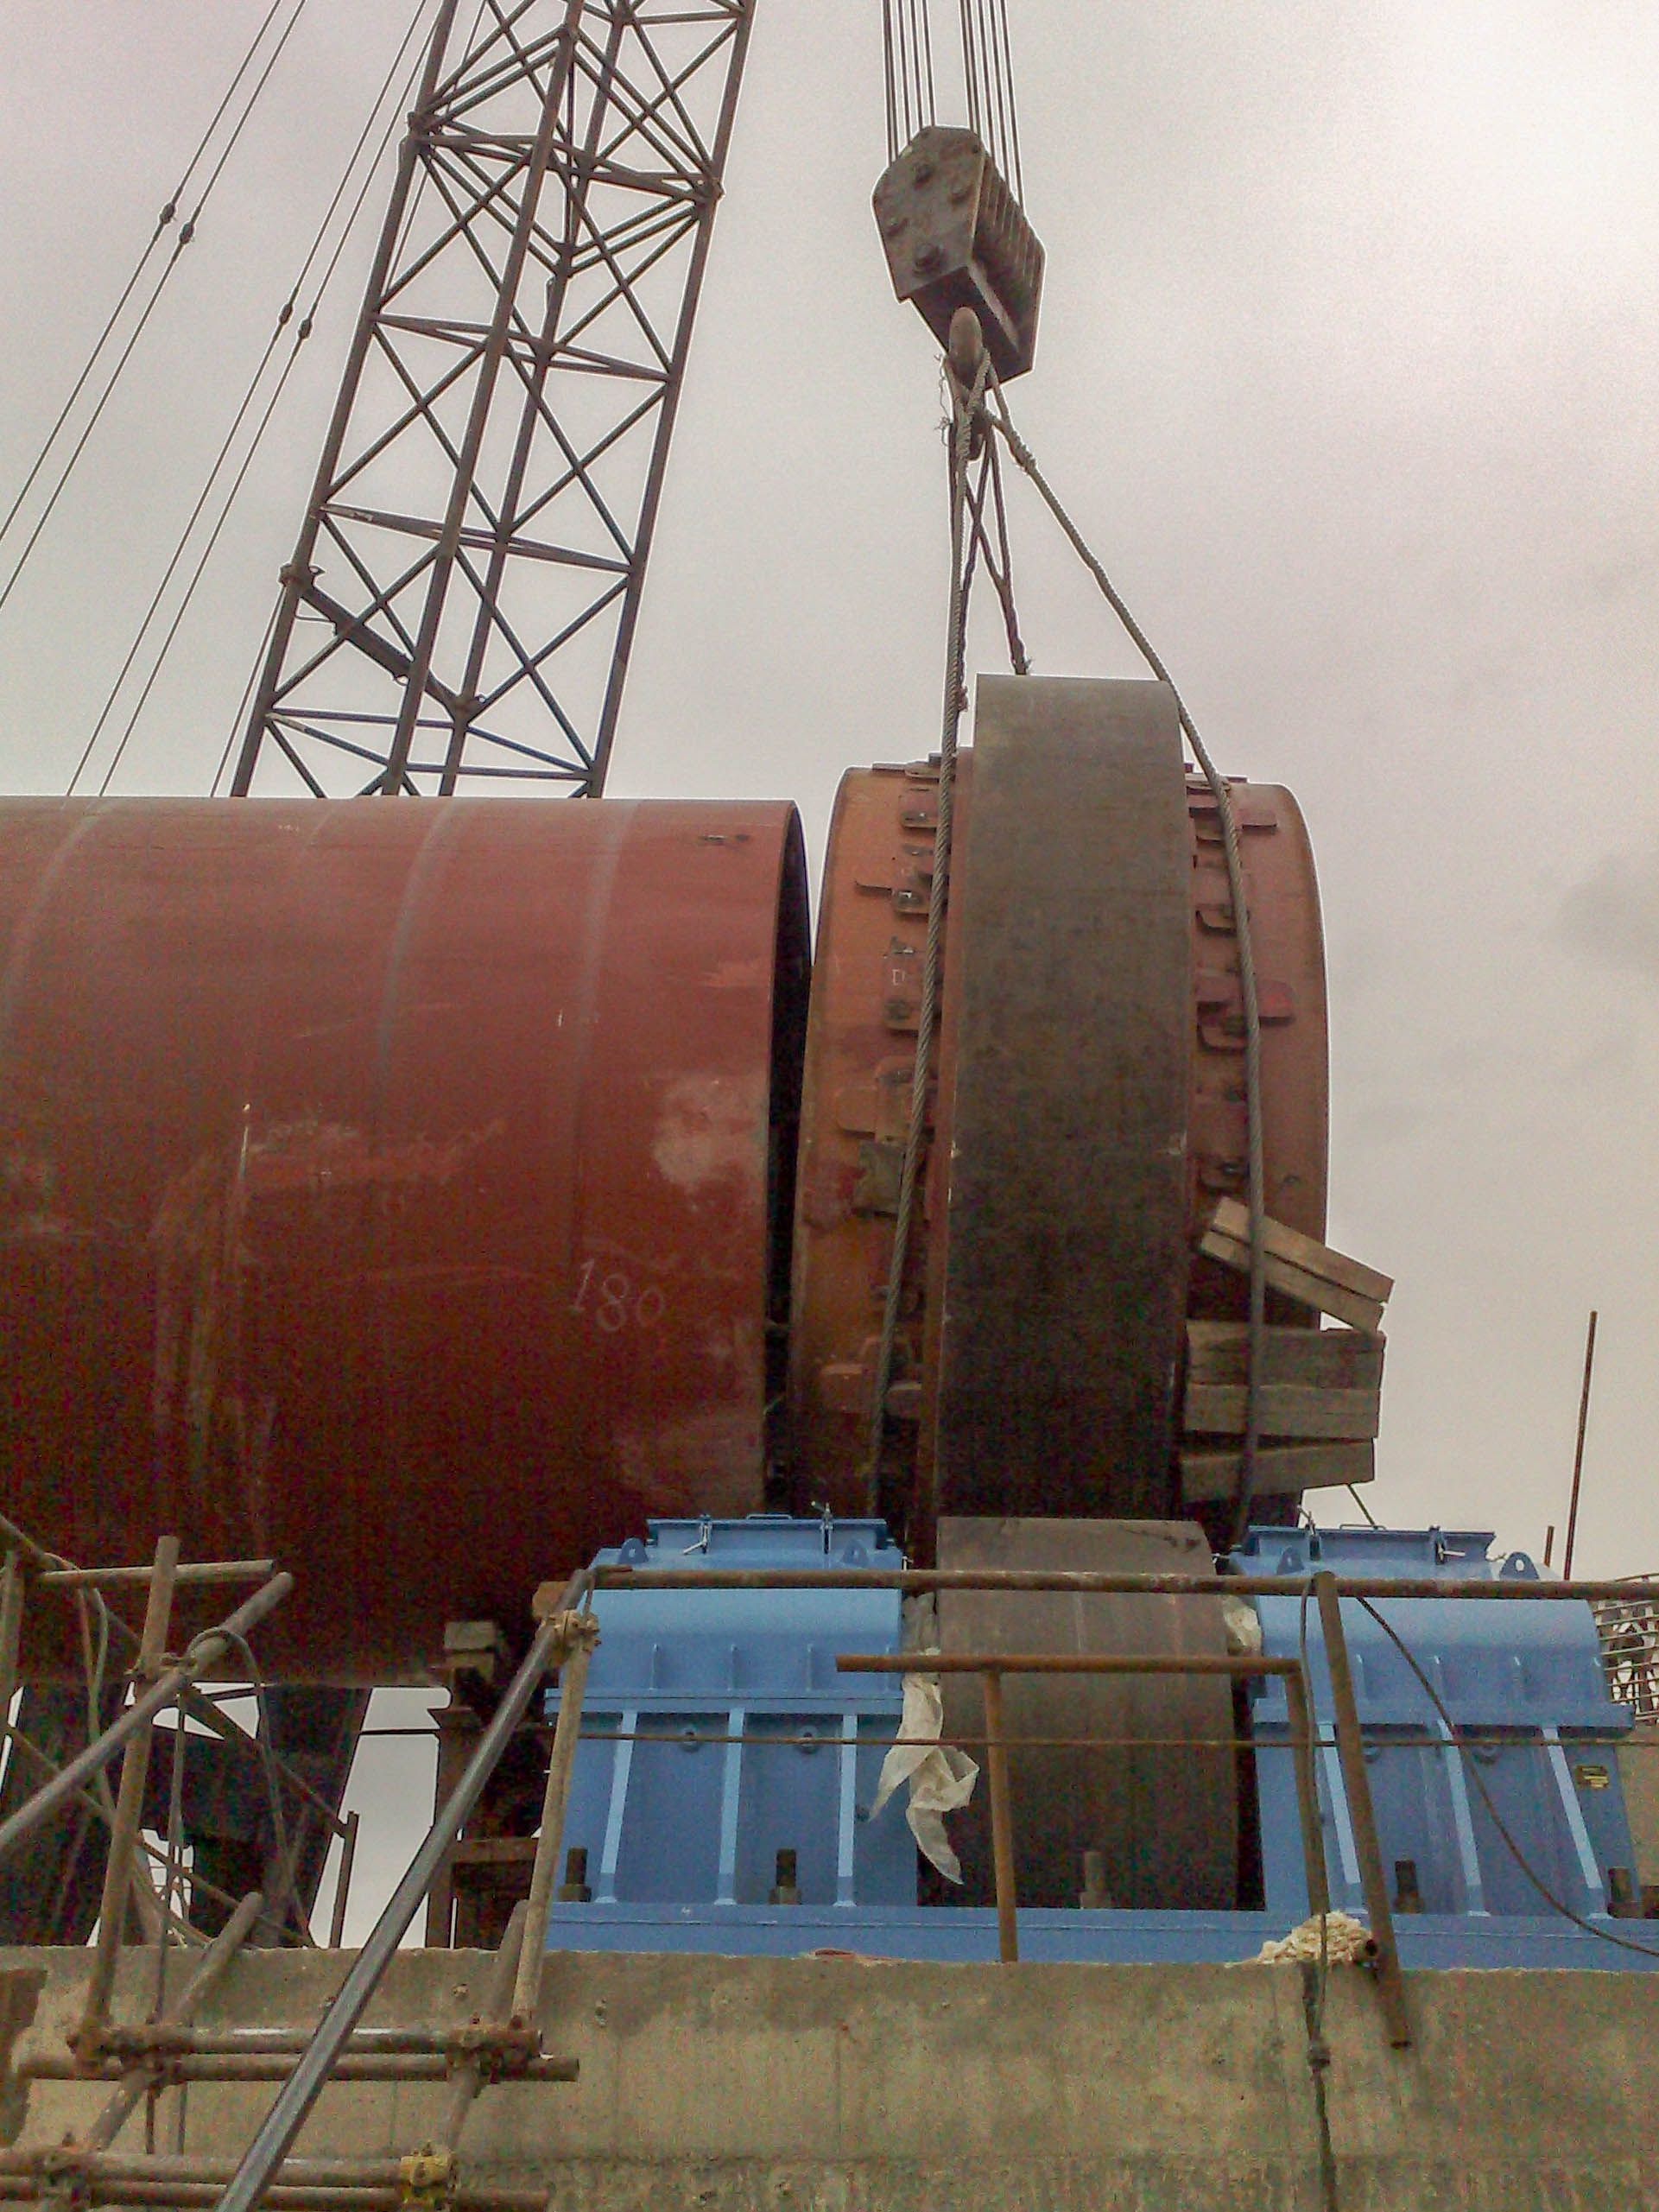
point(725, 1757)
point(964, 1934)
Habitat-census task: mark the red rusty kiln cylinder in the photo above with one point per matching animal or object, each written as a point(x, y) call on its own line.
point(400, 1190)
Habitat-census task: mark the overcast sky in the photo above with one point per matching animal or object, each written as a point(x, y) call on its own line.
point(1348, 369)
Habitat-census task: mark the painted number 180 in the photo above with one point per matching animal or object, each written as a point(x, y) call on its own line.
point(613, 1301)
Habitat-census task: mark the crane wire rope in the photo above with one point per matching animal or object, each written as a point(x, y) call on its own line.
point(988, 76)
point(1026, 460)
point(184, 238)
point(166, 216)
point(303, 332)
point(907, 60)
point(416, 198)
point(965, 405)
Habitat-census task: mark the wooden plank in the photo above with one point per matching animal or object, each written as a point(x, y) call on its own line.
point(1233, 1220)
point(1317, 1292)
point(1207, 1477)
point(1286, 1410)
point(1323, 1359)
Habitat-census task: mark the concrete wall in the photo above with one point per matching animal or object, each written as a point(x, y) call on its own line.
point(832, 2086)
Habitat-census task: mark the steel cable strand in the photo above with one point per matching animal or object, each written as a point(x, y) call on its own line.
point(1555, 1903)
point(890, 89)
point(1026, 460)
point(184, 238)
point(964, 405)
point(302, 332)
point(164, 221)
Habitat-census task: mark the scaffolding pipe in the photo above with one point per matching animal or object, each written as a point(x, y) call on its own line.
point(204, 1654)
point(282, 2123)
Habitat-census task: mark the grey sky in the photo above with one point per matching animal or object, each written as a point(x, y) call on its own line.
point(1348, 369)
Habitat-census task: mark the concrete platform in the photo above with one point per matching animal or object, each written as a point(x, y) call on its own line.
point(834, 2085)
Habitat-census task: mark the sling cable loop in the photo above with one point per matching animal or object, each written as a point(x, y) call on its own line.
point(966, 404)
point(1003, 424)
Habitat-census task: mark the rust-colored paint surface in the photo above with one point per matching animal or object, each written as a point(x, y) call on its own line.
point(400, 1189)
point(855, 1110)
point(860, 1059)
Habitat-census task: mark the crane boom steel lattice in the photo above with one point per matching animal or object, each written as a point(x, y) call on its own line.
point(460, 606)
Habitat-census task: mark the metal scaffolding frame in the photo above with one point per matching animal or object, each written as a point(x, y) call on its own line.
point(476, 542)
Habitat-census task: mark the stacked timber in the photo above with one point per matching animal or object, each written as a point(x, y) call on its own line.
point(1319, 1390)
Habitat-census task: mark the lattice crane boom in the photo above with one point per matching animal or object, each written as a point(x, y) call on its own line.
point(476, 537)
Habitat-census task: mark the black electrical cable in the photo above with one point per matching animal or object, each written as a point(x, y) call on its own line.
point(167, 215)
point(1555, 1903)
point(1316, 1981)
point(184, 238)
point(303, 332)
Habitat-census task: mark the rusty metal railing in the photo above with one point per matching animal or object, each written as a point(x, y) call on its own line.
point(991, 1667)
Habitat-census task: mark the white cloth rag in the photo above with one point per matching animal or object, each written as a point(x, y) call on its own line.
point(942, 1779)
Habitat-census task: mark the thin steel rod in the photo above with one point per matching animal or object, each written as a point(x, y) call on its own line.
point(468, 2077)
point(1303, 1740)
point(533, 1950)
point(1362, 1815)
point(203, 1655)
point(210, 1970)
point(1002, 1820)
point(1084, 1584)
point(343, 1882)
point(327, 2185)
point(118, 1867)
point(56, 1573)
point(172, 2038)
point(195, 1570)
point(1577, 1451)
point(274, 2066)
point(270, 2144)
point(1396, 1735)
point(320, 2173)
point(1061, 1662)
point(12, 1591)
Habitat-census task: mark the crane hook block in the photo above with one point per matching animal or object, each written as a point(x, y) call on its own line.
point(955, 237)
